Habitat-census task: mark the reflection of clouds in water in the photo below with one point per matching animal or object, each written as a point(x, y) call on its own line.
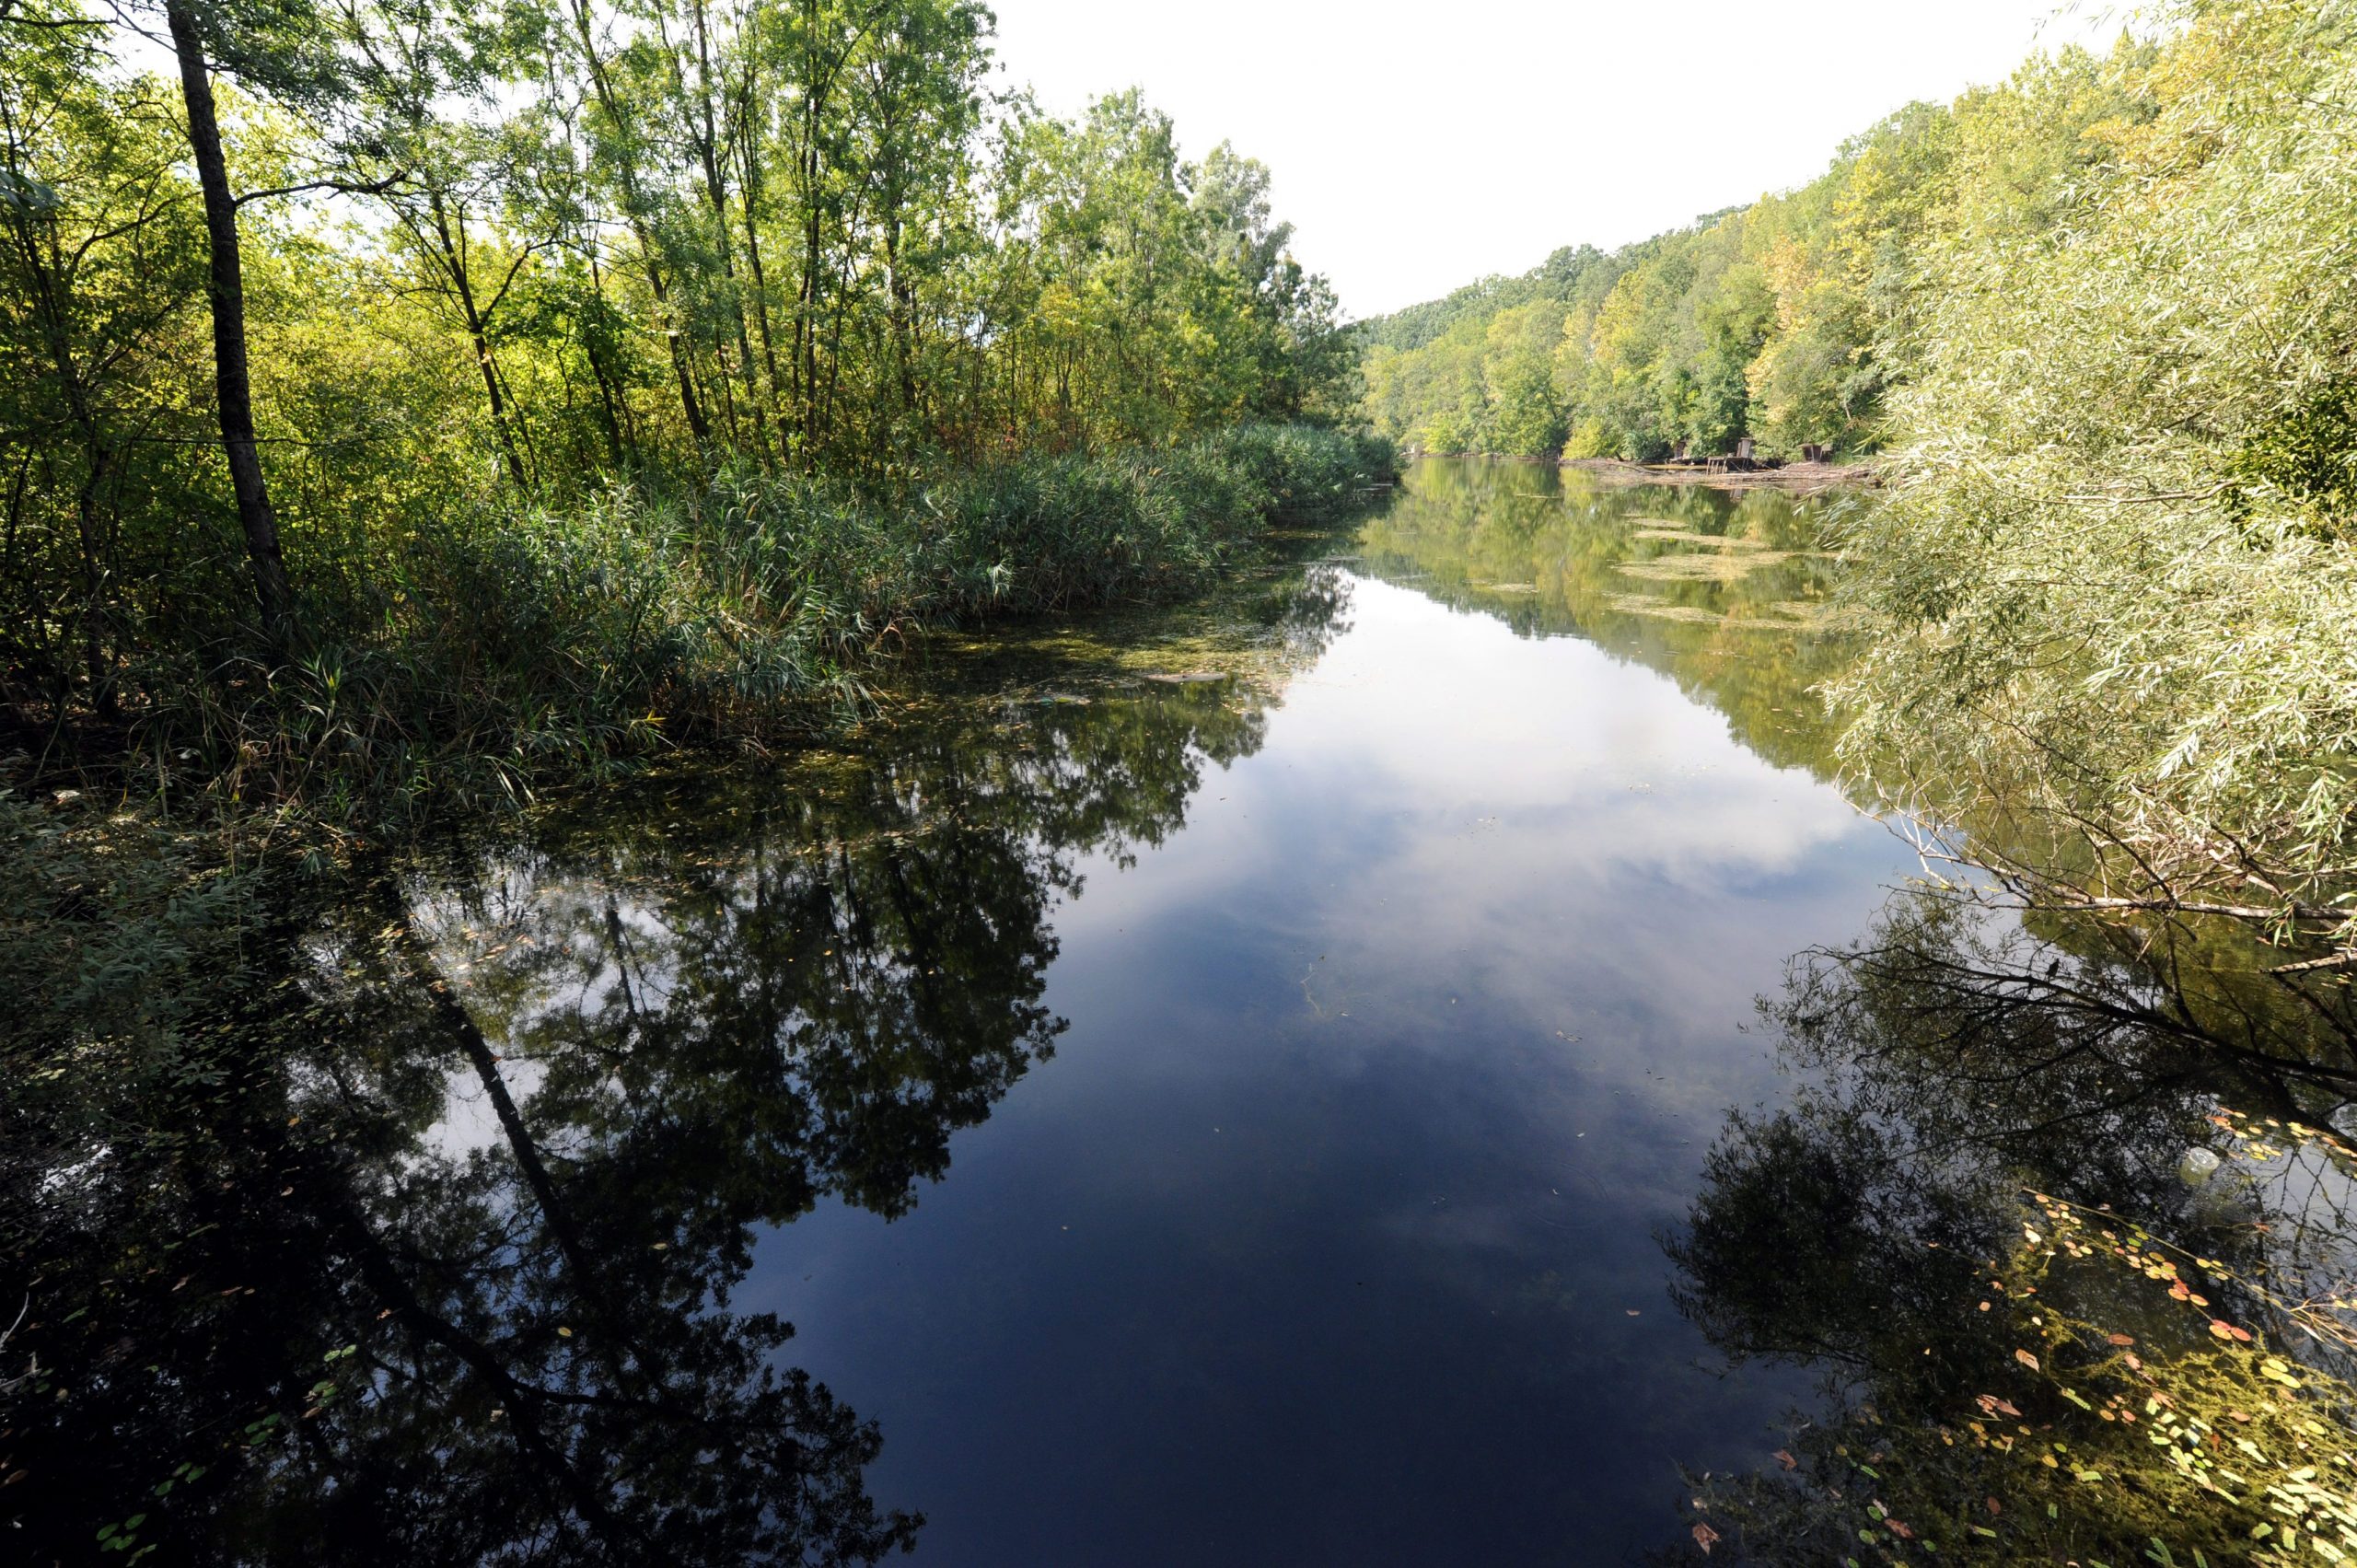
point(469, 1124)
point(1438, 866)
point(1452, 798)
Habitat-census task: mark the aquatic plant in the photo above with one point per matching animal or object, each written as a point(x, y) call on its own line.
point(501, 646)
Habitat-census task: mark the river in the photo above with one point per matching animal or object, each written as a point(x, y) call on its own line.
point(1230, 1085)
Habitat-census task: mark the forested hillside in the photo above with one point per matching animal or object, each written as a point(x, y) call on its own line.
point(576, 364)
point(2117, 573)
point(1787, 321)
point(2102, 322)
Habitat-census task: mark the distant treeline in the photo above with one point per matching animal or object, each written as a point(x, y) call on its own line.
point(1787, 321)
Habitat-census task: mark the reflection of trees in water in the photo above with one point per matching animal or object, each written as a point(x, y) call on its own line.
point(1949, 1062)
point(421, 1245)
point(1543, 551)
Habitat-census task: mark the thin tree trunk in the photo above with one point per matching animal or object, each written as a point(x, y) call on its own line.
point(51, 303)
point(454, 263)
point(633, 210)
point(232, 382)
point(752, 193)
point(716, 191)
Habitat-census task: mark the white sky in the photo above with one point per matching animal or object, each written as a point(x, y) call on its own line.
point(1419, 146)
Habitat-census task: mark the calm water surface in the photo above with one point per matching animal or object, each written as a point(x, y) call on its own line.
point(1308, 1062)
point(1225, 1087)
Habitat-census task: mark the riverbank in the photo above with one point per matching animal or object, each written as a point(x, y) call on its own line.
point(1805, 479)
point(504, 649)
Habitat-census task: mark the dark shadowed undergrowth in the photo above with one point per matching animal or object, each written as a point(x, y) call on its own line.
point(498, 647)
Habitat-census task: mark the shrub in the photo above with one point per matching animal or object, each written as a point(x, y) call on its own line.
point(497, 644)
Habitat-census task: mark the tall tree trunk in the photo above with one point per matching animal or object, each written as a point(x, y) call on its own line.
point(233, 385)
point(716, 193)
point(52, 302)
point(611, 387)
point(633, 209)
point(698, 426)
point(751, 192)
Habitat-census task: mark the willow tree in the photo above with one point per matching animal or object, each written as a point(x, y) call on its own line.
point(2117, 580)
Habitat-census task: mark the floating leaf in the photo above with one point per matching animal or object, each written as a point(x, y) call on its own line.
point(2026, 1359)
point(1705, 1538)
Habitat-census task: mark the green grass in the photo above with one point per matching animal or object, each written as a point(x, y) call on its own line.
point(499, 646)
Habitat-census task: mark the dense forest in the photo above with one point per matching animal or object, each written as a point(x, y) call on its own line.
point(1789, 320)
point(385, 382)
point(2101, 323)
point(2115, 584)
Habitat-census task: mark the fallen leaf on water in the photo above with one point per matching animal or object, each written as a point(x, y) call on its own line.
point(2227, 1330)
point(1786, 1460)
point(1898, 1530)
point(1705, 1537)
point(2026, 1359)
point(2122, 1341)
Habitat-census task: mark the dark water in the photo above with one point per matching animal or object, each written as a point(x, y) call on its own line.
point(1229, 1086)
point(1329, 1233)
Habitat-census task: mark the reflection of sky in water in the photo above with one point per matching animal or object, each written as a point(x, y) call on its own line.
point(1319, 1240)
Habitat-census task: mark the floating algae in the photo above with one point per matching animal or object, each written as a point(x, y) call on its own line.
point(1662, 609)
point(1687, 535)
point(1725, 568)
point(1819, 615)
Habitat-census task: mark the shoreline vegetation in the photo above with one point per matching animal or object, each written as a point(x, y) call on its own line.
point(1968, 310)
point(603, 382)
point(568, 645)
point(1807, 478)
point(2095, 331)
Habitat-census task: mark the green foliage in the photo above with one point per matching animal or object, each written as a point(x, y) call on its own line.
point(2114, 583)
point(652, 370)
point(504, 646)
point(2306, 458)
point(1785, 321)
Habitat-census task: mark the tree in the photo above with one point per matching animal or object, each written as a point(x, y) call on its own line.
point(197, 43)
